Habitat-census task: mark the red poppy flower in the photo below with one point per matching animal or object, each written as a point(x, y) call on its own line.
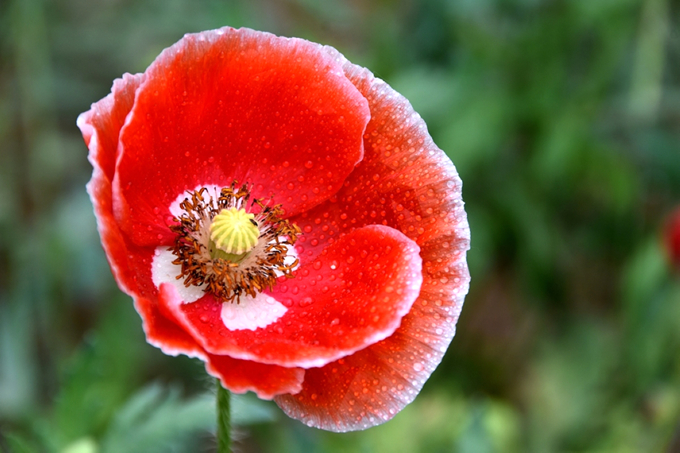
point(284, 216)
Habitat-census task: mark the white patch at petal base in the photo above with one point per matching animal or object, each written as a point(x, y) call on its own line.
point(291, 256)
point(163, 271)
point(213, 191)
point(252, 312)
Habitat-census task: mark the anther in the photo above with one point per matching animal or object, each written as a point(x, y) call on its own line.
point(229, 251)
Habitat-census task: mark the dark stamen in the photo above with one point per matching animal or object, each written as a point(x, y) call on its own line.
point(225, 279)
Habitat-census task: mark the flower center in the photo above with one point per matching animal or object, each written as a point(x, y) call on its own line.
point(226, 249)
point(233, 233)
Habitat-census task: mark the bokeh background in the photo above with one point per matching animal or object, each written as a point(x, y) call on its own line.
point(563, 119)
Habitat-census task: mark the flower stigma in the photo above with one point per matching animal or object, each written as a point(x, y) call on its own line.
point(231, 247)
point(233, 233)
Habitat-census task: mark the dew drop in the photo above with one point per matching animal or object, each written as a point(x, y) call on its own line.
point(306, 301)
point(288, 302)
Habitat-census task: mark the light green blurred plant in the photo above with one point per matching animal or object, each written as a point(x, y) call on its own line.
point(561, 116)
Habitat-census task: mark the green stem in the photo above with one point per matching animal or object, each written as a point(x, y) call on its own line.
point(223, 419)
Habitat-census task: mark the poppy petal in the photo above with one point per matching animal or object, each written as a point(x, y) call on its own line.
point(164, 334)
point(101, 127)
point(406, 182)
point(239, 376)
point(101, 124)
point(236, 105)
point(160, 329)
point(267, 381)
point(336, 305)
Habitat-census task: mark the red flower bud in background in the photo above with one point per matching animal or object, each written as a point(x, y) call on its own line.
point(284, 216)
point(672, 238)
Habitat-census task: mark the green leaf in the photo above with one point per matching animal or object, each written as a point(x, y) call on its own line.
point(247, 409)
point(158, 420)
point(18, 444)
point(17, 365)
point(99, 378)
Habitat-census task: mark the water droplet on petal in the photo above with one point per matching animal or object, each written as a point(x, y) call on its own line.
point(306, 301)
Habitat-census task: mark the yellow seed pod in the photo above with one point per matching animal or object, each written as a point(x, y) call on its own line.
point(234, 231)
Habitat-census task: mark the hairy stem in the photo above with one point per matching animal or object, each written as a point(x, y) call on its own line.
point(223, 419)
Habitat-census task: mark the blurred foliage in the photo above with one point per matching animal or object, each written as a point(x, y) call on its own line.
point(563, 119)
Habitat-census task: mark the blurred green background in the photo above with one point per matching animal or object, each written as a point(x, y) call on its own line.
point(563, 118)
